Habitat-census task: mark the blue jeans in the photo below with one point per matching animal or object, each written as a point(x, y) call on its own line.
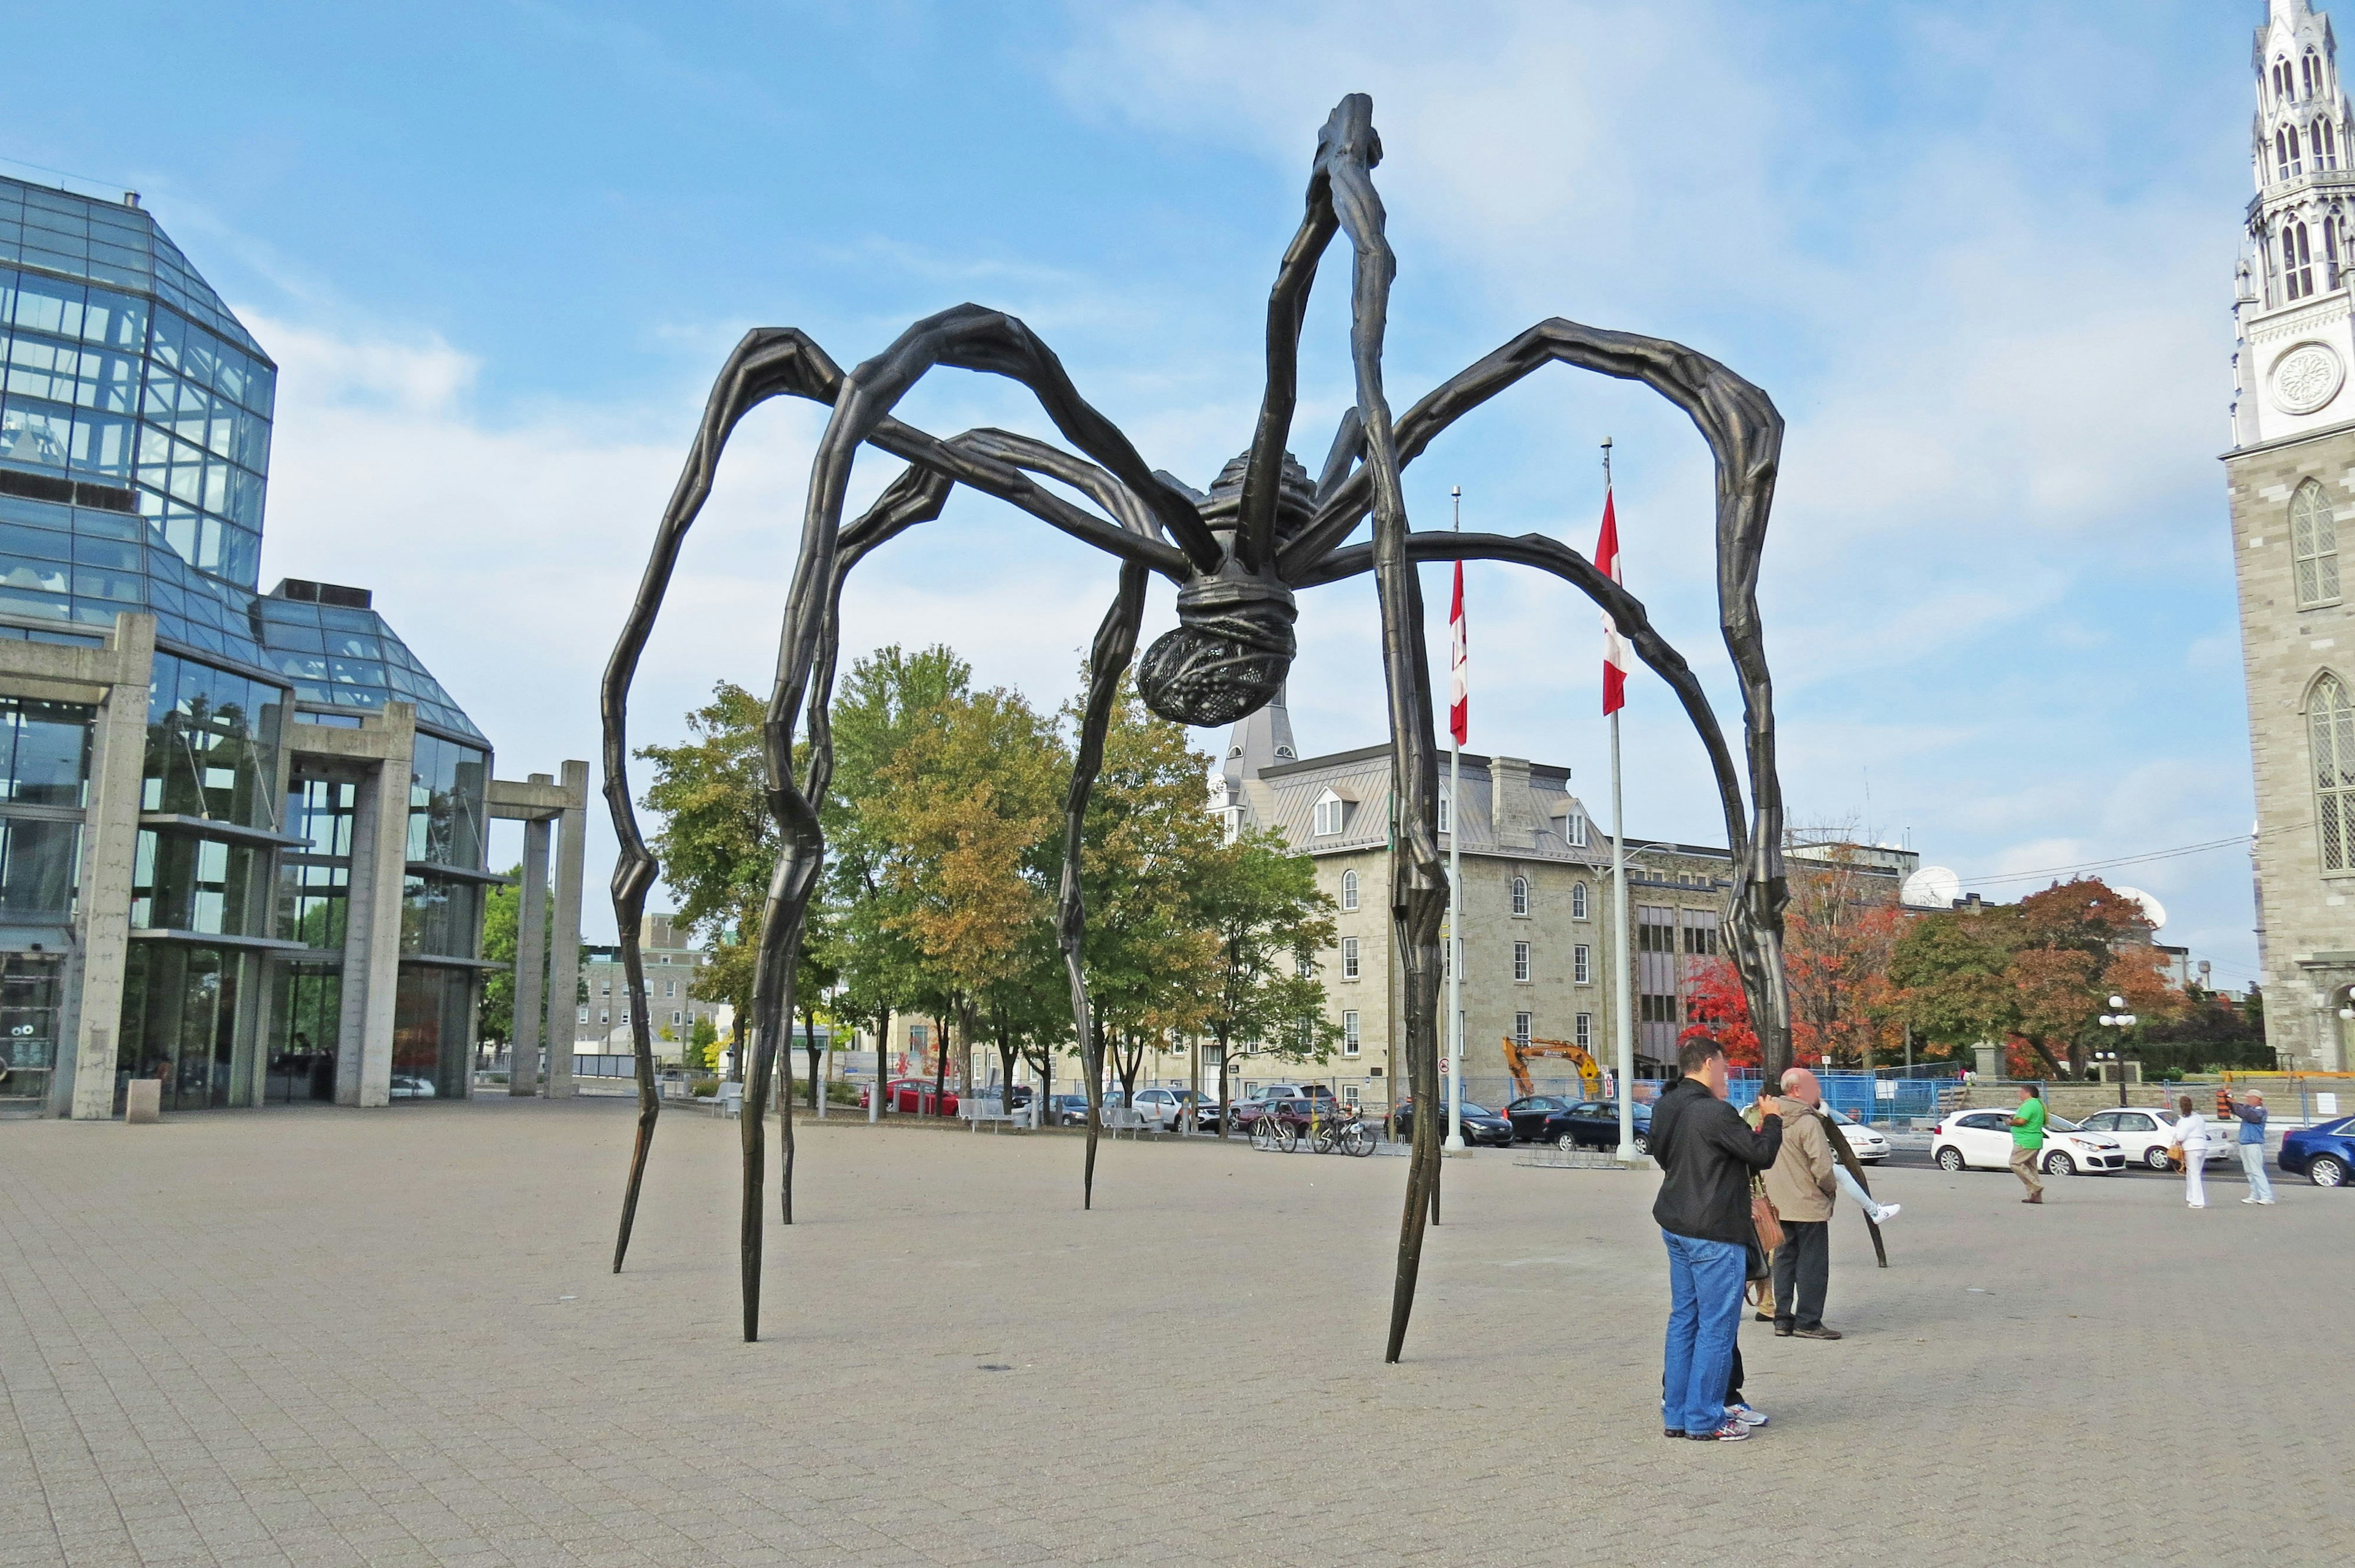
point(1704, 1309)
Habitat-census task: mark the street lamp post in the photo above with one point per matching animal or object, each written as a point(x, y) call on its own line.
point(2117, 1017)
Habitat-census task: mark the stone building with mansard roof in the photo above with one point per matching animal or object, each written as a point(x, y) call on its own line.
point(1538, 928)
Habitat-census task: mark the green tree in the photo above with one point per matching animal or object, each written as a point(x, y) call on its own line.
point(716, 842)
point(1270, 922)
point(702, 1042)
point(883, 700)
point(1148, 951)
point(968, 812)
point(501, 920)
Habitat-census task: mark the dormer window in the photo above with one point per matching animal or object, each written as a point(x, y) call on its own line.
point(1332, 814)
point(1283, 753)
point(1446, 812)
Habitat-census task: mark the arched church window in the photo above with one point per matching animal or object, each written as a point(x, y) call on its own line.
point(2297, 261)
point(2309, 72)
point(2323, 144)
point(1348, 890)
point(2281, 78)
point(2314, 547)
point(1521, 895)
point(2330, 725)
point(2297, 162)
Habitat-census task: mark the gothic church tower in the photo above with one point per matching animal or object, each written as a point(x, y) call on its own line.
point(2291, 476)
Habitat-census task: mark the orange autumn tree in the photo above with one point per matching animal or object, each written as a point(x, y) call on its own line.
point(1841, 927)
point(2036, 975)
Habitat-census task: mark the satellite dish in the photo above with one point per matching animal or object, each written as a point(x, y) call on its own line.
point(2152, 910)
point(1932, 887)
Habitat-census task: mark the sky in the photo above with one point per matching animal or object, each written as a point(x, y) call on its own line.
point(1981, 257)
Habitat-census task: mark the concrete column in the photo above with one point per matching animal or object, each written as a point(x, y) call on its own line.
point(564, 961)
point(110, 842)
point(531, 960)
point(372, 938)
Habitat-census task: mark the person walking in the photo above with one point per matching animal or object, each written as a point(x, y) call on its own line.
point(1708, 1153)
point(2028, 1142)
point(1800, 1187)
point(2251, 1113)
point(2190, 1135)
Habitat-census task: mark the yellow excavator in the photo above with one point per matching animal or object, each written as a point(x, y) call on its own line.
point(1518, 1057)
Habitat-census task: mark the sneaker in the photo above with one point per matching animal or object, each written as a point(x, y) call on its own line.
point(1887, 1211)
point(1732, 1432)
point(2264, 1202)
point(1744, 1414)
point(2248, 1200)
point(1817, 1332)
point(1672, 1431)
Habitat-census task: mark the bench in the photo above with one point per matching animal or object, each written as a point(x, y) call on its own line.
point(976, 1112)
point(728, 1100)
point(1123, 1119)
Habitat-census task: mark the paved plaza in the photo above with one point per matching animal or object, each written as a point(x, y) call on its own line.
point(391, 1337)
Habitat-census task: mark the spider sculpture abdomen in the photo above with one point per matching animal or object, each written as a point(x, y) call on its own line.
point(1234, 644)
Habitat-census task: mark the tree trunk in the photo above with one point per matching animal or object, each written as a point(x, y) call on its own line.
point(1224, 1057)
point(1194, 1085)
point(939, 1060)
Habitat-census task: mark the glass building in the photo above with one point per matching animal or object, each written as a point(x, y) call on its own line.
point(242, 835)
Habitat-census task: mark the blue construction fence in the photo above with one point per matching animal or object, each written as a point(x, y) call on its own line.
point(1889, 1097)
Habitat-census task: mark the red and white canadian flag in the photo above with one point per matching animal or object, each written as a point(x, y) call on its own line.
point(1615, 660)
point(1459, 699)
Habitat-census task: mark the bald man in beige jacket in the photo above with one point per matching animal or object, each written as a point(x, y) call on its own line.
point(1800, 1186)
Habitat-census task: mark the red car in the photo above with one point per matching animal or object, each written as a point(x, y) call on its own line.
point(914, 1097)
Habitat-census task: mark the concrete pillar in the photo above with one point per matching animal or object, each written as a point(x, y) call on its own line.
point(531, 960)
point(564, 961)
point(372, 933)
point(110, 842)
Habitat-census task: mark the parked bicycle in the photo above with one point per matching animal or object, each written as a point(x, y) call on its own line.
point(1329, 1126)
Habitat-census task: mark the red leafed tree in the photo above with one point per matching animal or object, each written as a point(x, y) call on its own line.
point(1717, 1010)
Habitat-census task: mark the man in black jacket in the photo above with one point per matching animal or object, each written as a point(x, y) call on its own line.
point(1709, 1153)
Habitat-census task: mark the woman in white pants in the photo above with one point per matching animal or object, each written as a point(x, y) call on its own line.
point(2190, 1135)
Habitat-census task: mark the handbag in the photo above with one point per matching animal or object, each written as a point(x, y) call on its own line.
point(1766, 1224)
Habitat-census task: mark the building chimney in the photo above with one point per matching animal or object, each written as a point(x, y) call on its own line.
point(129, 198)
point(1513, 810)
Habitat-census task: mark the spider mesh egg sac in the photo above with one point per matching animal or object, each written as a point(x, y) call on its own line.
point(1198, 678)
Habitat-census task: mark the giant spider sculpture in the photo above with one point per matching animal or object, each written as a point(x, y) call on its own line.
point(1237, 554)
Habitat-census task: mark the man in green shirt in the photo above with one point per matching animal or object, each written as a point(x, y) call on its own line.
point(2028, 1142)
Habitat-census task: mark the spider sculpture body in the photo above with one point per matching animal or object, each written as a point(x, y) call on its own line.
point(1237, 555)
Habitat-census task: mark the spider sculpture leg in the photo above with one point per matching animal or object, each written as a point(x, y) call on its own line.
point(1744, 434)
point(765, 363)
point(768, 363)
point(1107, 660)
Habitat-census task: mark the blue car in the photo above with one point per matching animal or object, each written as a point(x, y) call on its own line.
point(1595, 1124)
point(2324, 1155)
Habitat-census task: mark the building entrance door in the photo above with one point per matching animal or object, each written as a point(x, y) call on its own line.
point(310, 1013)
point(28, 1028)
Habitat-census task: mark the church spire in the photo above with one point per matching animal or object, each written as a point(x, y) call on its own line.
point(2292, 294)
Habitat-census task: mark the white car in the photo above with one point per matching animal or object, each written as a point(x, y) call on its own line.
point(1163, 1109)
point(1868, 1146)
point(406, 1086)
point(2142, 1131)
point(1982, 1140)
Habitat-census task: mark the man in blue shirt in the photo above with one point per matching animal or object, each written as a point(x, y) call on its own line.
point(2252, 1113)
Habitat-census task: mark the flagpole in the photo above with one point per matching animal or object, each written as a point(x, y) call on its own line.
point(1455, 1144)
point(1623, 994)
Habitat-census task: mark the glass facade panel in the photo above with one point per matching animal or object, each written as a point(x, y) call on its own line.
point(447, 784)
point(29, 995)
point(180, 1024)
point(432, 1033)
point(310, 1015)
point(179, 882)
point(212, 743)
point(438, 916)
point(40, 869)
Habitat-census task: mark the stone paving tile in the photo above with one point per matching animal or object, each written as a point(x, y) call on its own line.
point(329, 1337)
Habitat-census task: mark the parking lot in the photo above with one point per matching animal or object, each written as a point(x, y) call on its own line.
point(331, 1337)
